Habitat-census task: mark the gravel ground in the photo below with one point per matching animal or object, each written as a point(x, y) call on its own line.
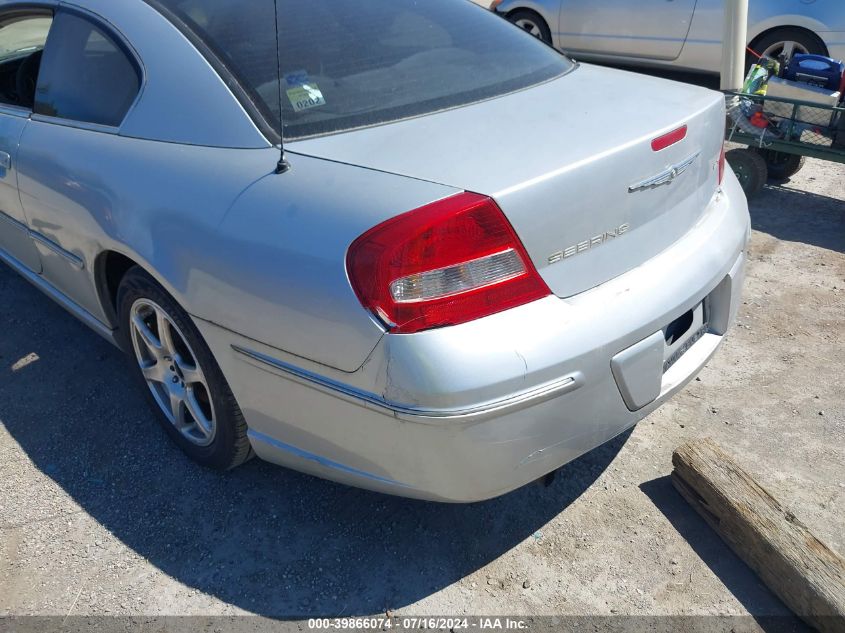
point(100, 514)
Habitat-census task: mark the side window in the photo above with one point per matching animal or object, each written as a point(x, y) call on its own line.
point(85, 74)
point(22, 40)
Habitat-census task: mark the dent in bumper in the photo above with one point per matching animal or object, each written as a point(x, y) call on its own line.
point(278, 445)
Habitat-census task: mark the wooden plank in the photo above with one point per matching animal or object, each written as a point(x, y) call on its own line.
point(801, 570)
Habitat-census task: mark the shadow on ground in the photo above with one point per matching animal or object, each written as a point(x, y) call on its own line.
point(737, 577)
point(262, 538)
point(797, 216)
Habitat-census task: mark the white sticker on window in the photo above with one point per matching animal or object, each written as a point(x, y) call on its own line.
point(305, 96)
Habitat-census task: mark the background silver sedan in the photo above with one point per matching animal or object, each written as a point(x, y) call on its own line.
point(420, 299)
point(684, 34)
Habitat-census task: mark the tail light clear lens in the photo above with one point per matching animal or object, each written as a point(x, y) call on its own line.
point(446, 263)
point(722, 165)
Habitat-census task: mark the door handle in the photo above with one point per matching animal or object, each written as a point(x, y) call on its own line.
point(5, 160)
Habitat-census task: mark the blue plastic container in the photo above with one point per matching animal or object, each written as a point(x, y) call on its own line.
point(817, 70)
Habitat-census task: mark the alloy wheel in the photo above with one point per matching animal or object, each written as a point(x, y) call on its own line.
point(172, 372)
point(529, 26)
point(787, 49)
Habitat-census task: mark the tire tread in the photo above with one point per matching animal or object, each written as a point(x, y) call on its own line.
point(756, 168)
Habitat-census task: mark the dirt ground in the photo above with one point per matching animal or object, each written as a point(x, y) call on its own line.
point(100, 514)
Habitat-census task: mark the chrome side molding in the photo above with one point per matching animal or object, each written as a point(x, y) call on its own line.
point(14, 223)
point(59, 297)
point(74, 261)
point(519, 400)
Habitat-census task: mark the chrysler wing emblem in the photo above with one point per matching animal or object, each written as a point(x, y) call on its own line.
point(666, 177)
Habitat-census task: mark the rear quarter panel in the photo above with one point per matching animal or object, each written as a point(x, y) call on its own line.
point(278, 274)
point(237, 245)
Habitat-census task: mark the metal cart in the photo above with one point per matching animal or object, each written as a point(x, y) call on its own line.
point(784, 133)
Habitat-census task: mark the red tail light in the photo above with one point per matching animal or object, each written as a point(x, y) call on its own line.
point(446, 263)
point(722, 165)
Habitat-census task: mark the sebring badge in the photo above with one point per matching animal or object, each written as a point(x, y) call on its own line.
point(586, 245)
point(667, 177)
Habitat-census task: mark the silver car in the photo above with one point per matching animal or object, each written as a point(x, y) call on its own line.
point(683, 34)
point(418, 297)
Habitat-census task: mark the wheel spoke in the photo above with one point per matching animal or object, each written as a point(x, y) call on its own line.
point(147, 337)
point(165, 333)
point(172, 372)
point(176, 409)
point(190, 372)
point(788, 49)
point(154, 372)
point(203, 424)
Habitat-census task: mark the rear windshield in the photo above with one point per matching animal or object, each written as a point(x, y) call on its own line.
point(348, 64)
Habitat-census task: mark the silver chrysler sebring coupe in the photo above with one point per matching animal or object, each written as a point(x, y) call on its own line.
point(414, 296)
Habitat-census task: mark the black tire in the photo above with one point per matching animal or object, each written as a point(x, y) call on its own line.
point(526, 16)
point(807, 40)
point(781, 166)
point(750, 169)
point(230, 446)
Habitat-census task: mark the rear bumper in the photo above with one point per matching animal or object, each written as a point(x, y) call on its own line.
point(473, 411)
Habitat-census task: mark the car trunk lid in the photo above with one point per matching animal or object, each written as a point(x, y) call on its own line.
point(571, 164)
